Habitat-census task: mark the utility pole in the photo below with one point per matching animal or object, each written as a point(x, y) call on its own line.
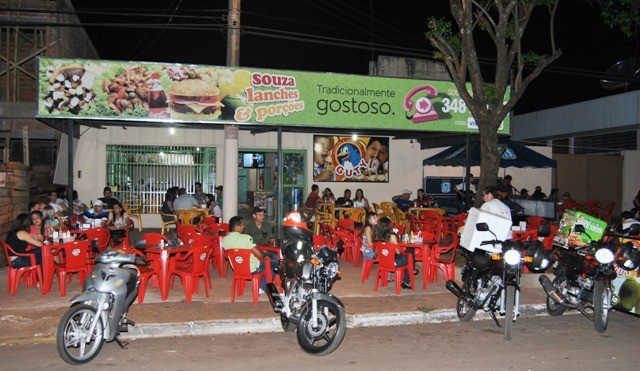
point(230, 171)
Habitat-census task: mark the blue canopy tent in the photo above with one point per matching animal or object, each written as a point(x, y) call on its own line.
point(513, 154)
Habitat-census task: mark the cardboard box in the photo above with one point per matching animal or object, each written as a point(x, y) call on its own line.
point(566, 236)
point(472, 238)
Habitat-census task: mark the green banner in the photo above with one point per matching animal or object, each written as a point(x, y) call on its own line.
point(159, 92)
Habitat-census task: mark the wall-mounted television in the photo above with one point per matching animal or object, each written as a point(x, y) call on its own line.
point(253, 160)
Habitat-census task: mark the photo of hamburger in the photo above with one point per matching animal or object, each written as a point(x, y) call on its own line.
point(194, 99)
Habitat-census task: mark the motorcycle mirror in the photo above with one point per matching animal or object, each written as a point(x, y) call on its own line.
point(544, 230)
point(579, 228)
point(482, 227)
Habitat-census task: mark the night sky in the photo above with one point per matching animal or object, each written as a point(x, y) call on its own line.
point(586, 42)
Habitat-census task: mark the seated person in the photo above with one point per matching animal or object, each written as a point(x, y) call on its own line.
point(461, 188)
point(538, 194)
point(236, 239)
point(118, 222)
point(403, 200)
point(53, 202)
point(167, 205)
point(107, 200)
point(423, 200)
point(198, 194)
point(37, 225)
point(312, 200)
point(51, 219)
point(78, 207)
point(98, 211)
point(629, 219)
point(21, 242)
point(184, 201)
point(345, 201)
point(261, 231)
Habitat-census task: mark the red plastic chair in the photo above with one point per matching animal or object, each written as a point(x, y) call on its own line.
point(73, 259)
point(457, 222)
point(193, 267)
point(100, 234)
point(154, 238)
point(184, 231)
point(534, 222)
point(240, 259)
point(448, 244)
point(125, 244)
point(386, 264)
point(548, 241)
point(367, 267)
point(33, 272)
point(319, 241)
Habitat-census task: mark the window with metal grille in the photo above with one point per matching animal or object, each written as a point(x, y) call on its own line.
point(141, 175)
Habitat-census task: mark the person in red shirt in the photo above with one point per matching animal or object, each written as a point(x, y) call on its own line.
point(312, 199)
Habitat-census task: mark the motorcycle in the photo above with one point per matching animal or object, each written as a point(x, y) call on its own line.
point(99, 314)
point(306, 306)
point(583, 277)
point(491, 277)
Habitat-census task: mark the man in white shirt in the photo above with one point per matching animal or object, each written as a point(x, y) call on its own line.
point(184, 201)
point(493, 205)
point(53, 202)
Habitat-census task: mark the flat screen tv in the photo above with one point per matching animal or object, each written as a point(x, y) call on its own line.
point(253, 160)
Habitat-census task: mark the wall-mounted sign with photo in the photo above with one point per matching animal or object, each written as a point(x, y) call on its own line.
point(350, 159)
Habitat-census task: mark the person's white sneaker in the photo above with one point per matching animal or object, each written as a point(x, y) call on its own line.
point(261, 291)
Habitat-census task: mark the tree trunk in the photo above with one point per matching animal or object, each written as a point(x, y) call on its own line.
point(489, 158)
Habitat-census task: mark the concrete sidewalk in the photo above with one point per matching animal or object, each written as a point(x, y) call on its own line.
point(31, 317)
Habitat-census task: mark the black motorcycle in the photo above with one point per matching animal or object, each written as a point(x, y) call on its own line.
point(491, 279)
point(306, 305)
point(583, 277)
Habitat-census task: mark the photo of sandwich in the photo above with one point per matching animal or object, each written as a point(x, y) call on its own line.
point(192, 99)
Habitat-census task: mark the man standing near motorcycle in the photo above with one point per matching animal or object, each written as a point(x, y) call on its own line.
point(492, 203)
point(236, 239)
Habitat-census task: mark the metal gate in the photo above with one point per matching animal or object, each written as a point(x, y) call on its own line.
point(141, 175)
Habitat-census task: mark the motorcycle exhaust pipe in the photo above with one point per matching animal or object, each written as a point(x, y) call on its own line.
point(455, 289)
point(274, 297)
point(551, 290)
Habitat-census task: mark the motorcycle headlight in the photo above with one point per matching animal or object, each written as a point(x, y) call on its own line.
point(604, 256)
point(512, 257)
point(332, 269)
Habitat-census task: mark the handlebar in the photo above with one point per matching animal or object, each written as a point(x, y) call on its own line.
point(491, 242)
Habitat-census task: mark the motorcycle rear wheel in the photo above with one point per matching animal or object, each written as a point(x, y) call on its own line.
point(329, 339)
point(508, 315)
point(601, 305)
point(553, 308)
point(76, 321)
point(463, 309)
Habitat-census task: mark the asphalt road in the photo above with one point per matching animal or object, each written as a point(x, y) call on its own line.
point(569, 342)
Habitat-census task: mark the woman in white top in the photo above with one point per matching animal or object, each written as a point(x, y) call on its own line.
point(118, 218)
point(360, 201)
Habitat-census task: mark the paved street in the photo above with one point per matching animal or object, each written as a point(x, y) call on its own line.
point(543, 343)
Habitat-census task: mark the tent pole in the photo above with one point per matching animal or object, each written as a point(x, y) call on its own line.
point(467, 176)
point(280, 197)
point(70, 125)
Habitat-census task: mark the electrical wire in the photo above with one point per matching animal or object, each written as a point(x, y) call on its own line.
point(311, 38)
point(159, 33)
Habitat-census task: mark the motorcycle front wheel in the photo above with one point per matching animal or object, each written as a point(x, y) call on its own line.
point(601, 305)
point(73, 332)
point(328, 335)
point(508, 315)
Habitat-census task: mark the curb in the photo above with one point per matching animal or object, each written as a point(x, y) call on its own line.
point(269, 325)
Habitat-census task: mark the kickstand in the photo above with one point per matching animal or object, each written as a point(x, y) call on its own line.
point(493, 315)
point(122, 344)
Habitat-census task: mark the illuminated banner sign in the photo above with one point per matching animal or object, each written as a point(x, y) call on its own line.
point(159, 92)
